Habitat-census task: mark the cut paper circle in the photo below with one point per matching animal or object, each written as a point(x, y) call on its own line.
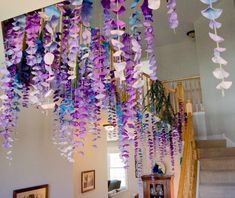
point(3, 97)
point(134, 4)
point(77, 2)
point(48, 106)
point(219, 50)
point(117, 32)
point(49, 58)
point(219, 60)
point(214, 24)
point(224, 85)
point(216, 38)
point(212, 13)
point(119, 10)
point(136, 46)
point(120, 75)
point(100, 96)
point(120, 66)
point(117, 43)
point(220, 73)
point(154, 4)
point(208, 2)
point(118, 23)
point(51, 11)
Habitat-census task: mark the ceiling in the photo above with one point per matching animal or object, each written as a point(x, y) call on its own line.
point(188, 12)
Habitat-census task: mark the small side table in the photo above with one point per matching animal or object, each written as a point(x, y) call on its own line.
point(156, 186)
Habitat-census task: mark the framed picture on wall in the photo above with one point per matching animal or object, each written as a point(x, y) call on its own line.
point(88, 181)
point(32, 192)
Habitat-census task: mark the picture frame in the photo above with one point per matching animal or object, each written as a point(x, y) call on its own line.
point(87, 181)
point(41, 191)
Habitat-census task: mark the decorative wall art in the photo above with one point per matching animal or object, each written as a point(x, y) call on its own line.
point(88, 181)
point(32, 192)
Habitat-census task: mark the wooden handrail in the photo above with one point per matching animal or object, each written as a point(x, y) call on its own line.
point(181, 79)
point(188, 175)
point(192, 92)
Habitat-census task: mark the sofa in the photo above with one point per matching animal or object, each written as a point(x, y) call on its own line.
point(114, 185)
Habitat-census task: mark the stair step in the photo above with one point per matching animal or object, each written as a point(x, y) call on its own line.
point(217, 177)
point(220, 164)
point(211, 144)
point(216, 153)
point(217, 191)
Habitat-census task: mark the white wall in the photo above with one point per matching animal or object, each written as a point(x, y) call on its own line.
point(36, 160)
point(177, 60)
point(220, 111)
point(94, 159)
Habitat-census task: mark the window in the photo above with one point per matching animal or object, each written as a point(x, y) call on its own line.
point(116, 169)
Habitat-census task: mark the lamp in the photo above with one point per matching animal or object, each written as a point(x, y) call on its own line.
point(108, 127)
point(191, 34)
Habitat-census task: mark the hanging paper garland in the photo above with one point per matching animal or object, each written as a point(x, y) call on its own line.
point(106, 4)
point(134, 21)
point(172, 15)
point(78, 72)
point(150, 138)
point(213, 14)
point(149, 37)
point(117, 31)
point(10, 83)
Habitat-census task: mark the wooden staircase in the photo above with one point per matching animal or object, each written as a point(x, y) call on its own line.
point(217, 161)
point(217, 169)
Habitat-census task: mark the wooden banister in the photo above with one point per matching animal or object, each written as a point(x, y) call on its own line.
point(181, 79)
point(188, 175)
point(192, 92)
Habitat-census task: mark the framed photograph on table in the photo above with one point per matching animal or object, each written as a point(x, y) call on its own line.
point(32, 192)
point(88, 181)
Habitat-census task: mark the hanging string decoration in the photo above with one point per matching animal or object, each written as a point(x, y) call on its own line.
point(57, 61)
point(149, 38)
point(212, 14)
point(11, 84)
point(164, 140)
point(172, 15)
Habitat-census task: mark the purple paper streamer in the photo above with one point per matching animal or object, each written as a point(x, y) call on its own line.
point(172, 15)
point(149, 38)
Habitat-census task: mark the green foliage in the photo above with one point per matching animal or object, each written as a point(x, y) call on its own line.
point(160, 103)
